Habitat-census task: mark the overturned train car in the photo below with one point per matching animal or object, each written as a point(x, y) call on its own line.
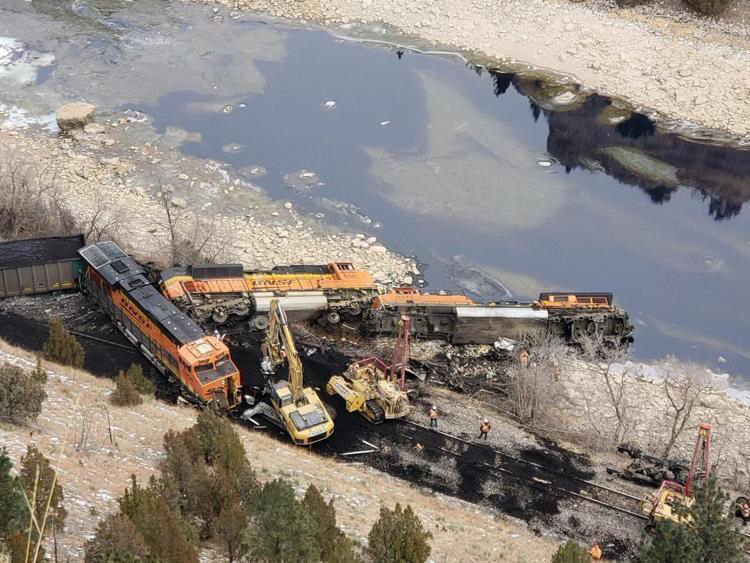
point(223, 294)
point(170, 340)
point(573, 317)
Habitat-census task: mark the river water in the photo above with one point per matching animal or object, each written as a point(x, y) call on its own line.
point(494, 181)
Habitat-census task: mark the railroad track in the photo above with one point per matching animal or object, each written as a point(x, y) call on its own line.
point(550, 480)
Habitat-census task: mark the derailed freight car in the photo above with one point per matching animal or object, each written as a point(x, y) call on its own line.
point(460, 320)
point(170, 340)
point(40, 265)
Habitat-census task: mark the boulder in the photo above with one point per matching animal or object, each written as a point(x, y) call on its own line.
point(74, 115)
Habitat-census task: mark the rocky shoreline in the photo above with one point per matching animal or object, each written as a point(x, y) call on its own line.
point(117, 176)
point(689, 74)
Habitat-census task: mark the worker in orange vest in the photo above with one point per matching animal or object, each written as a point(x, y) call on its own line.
point(484, 428)
point(596, 552)
point(523, 359)
point(433, 416)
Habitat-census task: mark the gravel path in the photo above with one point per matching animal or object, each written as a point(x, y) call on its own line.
point(674, 67)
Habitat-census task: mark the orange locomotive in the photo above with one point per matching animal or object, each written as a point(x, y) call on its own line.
point(170, 340)
point(224, 293)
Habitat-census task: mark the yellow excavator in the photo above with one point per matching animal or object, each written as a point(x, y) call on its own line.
point(371, 388)
point(297, 409)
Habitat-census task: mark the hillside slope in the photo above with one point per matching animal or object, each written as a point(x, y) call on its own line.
point(95, 471)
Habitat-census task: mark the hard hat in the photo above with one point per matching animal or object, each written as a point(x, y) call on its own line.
point(434, 407)
point(486, 420)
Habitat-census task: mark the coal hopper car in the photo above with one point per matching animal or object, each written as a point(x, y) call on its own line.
point(460, 320)
point(170, 340)
point(39, 265)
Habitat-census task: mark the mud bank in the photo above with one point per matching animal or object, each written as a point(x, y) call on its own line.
point(674, 69)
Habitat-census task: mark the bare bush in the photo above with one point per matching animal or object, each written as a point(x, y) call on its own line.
point(30, 202)
point(101, 221)
point(607, 363)
point(685, 387)
point(192, 239)
point(532, 389)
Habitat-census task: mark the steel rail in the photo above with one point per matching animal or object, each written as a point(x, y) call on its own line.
point(527, 462)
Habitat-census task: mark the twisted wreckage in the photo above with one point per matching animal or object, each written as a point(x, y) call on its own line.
point(171, 315)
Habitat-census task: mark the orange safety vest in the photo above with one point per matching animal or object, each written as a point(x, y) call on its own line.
point(433, 413)
point(596, 552)
point(485, 427)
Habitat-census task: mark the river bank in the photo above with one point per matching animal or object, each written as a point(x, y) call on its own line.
point(119, 181)
point(670, 67)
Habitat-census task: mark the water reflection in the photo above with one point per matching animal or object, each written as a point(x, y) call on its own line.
point(628, 146)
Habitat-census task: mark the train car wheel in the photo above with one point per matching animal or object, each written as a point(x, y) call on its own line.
point(333, 317)
point(259, 322)
point(354, 310)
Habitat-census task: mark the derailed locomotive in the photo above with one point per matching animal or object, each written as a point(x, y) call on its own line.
point(168, 338)
point(222, 294)
point(459, 320)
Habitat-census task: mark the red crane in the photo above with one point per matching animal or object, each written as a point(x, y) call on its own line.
point(400, 359)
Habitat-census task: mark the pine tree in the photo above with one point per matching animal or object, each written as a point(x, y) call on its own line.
point(21, 394)
point(125, 393)
point(229, 531)
point(335, 547)
point(116, 539)
point(280, 529)
point(141, 383)
point(39, 374)
point(571, 552)
point(220, 442)
point(13, 510)
point(32, 460)
point(398, 537)
point(706, 535)
point(169, 537)
point(62, 347)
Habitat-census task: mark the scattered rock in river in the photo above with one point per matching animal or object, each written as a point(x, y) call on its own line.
point(233, 148)
point(302, 180)
point(328, 105)
point(75, 115)
point(252, 171)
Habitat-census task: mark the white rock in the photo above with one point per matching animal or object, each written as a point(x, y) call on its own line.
point(371, 240)
point(75, 115)
point(94, 128)
point(288, 205)
point(183, 177)
point(379, 249)
point(360, 236)
point(408, 280)
point(178, 202)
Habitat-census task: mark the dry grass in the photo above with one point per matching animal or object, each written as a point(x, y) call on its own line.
point(94, 478)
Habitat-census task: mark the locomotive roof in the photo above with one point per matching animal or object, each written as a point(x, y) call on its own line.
point(110, 261)
point(117, 268)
